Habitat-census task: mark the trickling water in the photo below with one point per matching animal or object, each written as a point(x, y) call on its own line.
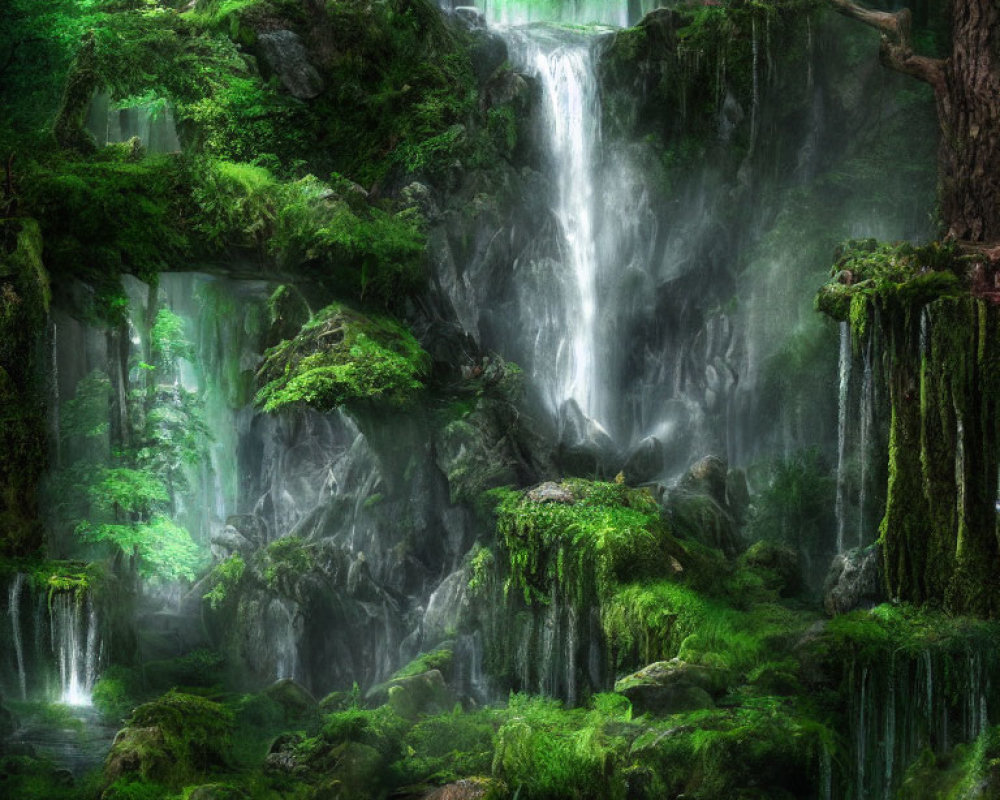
point(844, 372)
point(14, 612)
point(864, 444)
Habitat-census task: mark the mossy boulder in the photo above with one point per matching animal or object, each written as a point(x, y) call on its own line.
point(853, 581)
point(778, 564)
point(217, 791)
point(670, 687)
point(171, 740)
point(343, 356)
point(417, 695)
point(358, 774)
point(293, 697)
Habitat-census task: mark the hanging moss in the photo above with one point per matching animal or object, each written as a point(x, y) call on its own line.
point(942, 344)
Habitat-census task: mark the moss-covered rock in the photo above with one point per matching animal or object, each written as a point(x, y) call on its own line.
point(671, 687)
point(171, 740)
point(342, 356)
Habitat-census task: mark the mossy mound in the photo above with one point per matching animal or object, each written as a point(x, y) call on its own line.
point(171, 740)
point(888, 273)
point(582, 534)
point(342, 356)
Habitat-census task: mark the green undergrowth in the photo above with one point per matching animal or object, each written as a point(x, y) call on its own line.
point(327, 230)
point(535, 748)
point(342, 356)
point(608, 532)
point(967, 772)
point(655, 621)
point(907, 630)
point(106, 215)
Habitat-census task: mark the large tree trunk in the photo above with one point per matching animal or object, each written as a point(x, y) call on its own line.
point(970, 123)
point(967, 90)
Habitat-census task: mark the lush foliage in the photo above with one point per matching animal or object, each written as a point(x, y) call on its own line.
point(607, 532)
point(897, 272)
point(342, 356)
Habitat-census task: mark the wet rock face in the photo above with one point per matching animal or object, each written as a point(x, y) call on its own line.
point(286, 55)
point(854, 581)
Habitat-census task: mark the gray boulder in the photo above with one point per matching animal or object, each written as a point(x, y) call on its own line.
point(853, 581)
point(672, 687)
point(286, 55)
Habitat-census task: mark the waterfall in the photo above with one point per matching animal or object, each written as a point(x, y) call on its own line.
point(14, 612)
point(844, 375)
point(603, 12)
point(867, 416)
point(75, 646)
point(572, 113)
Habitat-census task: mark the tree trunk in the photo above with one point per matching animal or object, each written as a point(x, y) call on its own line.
point(967, 90)
point(970, 124)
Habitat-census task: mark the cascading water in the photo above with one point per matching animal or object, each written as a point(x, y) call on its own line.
point(14, 612)
point(604, 12)
point(76, 646)
point(844, 380)
point(566, 352)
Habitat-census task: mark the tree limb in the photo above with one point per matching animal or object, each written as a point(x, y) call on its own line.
point(895, 24)
point(896, 50)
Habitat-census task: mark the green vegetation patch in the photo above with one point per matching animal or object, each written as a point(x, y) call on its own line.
point(343, 356)
point(898, 272)
point(589, 532)
point(655, 621)
point(171, 740)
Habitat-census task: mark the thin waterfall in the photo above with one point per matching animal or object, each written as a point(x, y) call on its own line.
point(864, 436)
point(844, 374)
point(14, 612)
point(75, 645)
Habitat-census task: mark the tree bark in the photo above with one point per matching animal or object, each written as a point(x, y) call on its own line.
point(969, 157)
point(967, 92)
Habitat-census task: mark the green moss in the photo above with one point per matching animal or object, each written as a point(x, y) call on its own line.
point(102, 218)
point(171, 740)
point(224, 580)
point(24, 298)
point(342, 356)
point(117, 692)
point(968, 771)
point(440, 659)
point(607, 533)
point(285, 560)
point(657, 621)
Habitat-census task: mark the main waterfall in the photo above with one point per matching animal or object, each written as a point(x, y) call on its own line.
point(566, 331)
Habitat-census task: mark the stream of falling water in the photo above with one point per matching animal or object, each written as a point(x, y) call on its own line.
point(14, 611)
point(571, 110)
point(844, 374)
point(75, 643)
